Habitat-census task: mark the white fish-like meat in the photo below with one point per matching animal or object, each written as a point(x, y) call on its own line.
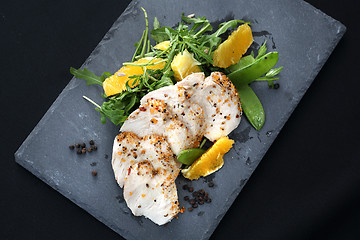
point(219, 100)
point(147, 169)
point(156, 117)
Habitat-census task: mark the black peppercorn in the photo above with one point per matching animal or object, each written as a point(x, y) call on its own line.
point(94, 173)
point(211, 184)
point(91, 142)
point(72, 147)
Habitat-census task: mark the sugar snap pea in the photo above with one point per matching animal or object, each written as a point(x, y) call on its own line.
point(254, 70)
point(243, 62)
point(251, 106)
point(188, 156)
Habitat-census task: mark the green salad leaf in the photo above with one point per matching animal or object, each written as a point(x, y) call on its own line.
point(199, 37)
point(118, 107)
point(89, 76)
point(156, 24)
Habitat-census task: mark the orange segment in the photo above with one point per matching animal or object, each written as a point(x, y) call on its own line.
point(117, 82)
point(231, 50)
point(184, 64)
point(163, 45)
point(210, 161)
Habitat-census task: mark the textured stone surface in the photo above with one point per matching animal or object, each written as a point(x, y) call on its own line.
point(304, 38)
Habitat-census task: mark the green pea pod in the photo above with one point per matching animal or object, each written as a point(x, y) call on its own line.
point(251, 106)
point(247, 74)
point(242, 63)
point(188, 156)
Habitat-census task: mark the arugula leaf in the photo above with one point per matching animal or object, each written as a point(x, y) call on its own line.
point(191, 34)
point(156, 24)
point(114, 111)
point(270, 76)
point(146, 34)
point(160, 34)
point(262, 51)
point(133, 100)
point(118, 107)
point(165, 81)
point(252, 54)
point(266, 78)
point(274, 71)
point(190, 20)
point(141, 45)
point(89, 76)
point(200, 53)
point(138, 46)
point(223, 27)
point(206, 28)
point(198, 22)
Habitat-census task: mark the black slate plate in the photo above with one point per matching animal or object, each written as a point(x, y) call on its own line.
point(303, 36)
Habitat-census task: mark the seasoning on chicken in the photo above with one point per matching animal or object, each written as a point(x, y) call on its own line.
point(219, 100)
point(189, 113)
point(151, 193)
point(129, 149)
point(147, 170)
point(156, 117)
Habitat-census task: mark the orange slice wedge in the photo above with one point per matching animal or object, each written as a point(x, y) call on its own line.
point(231, 50)
point(210, 161)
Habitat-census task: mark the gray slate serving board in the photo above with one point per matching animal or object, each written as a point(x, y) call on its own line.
point(304, 38)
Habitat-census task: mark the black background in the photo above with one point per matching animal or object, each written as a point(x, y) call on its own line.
point(306, 187)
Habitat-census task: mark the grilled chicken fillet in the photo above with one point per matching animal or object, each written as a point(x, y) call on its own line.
point(158, 117)
point(147, 169)
point(219, 100)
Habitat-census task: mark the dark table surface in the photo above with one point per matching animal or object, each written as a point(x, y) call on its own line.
point(306, 187)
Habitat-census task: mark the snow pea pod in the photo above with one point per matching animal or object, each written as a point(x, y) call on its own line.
point(188, 156)
point(251, 106)
point(243, 62)
point(247, 73)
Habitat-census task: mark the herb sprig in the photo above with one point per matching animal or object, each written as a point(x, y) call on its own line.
point(90, 77)
point(194, 34)
point(191, 34)
point(118, 107)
